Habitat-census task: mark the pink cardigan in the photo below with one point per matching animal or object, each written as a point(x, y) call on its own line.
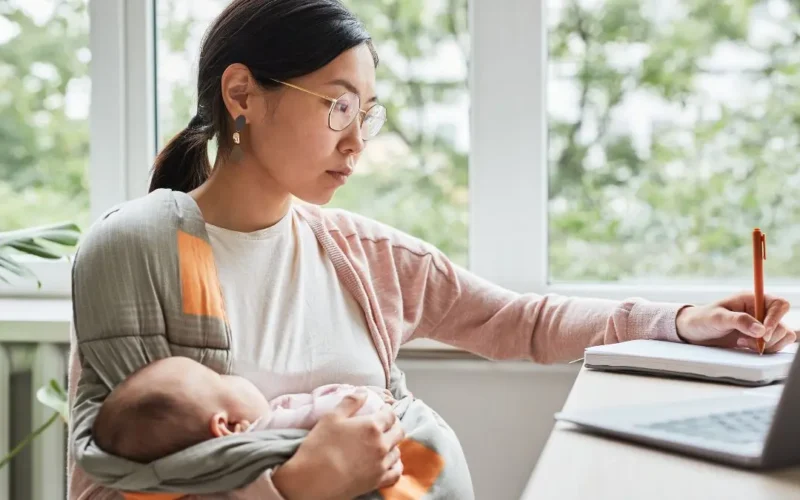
point(408, 289)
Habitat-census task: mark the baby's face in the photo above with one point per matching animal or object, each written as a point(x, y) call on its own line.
point(246, 402)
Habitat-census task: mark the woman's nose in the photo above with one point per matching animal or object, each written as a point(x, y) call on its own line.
point(352, 142)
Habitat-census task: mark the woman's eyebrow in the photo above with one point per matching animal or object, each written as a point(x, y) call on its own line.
point(349, 86)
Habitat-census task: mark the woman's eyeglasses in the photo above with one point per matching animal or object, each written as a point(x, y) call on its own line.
point(345, 109)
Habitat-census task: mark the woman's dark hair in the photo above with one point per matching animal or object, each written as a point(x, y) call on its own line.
point(280, 39)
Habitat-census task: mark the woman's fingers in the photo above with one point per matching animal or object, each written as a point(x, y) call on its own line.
point(385, 418)
point(394, 435)
point(776, 309)
point(781, 338)
point(775, 341)
point(747, 343)
point(391, 476)
point(391, 457)
point(725, 320)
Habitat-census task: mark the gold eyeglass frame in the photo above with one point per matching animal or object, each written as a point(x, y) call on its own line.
point(333, 103)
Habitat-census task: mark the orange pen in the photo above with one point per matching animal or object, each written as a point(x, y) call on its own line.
point(759, 256)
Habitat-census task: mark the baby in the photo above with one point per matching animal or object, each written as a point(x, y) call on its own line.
point(175, 402)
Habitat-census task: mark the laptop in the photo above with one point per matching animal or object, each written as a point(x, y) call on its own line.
point(747, 430)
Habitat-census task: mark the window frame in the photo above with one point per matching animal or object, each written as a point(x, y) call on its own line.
point(122, 110)
point(508, 167)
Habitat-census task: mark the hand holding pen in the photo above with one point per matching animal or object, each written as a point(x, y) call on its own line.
point(747, 320)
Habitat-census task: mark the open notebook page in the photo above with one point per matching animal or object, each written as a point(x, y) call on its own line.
point(672, 358)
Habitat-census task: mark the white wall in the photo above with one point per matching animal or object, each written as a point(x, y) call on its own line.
point(502, 412)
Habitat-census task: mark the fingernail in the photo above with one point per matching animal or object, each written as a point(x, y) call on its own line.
point(741, 343)
point(757, 329)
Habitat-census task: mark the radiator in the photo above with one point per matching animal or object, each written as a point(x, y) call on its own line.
point(38, 472)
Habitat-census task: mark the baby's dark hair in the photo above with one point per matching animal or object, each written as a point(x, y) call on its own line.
point(143, 422)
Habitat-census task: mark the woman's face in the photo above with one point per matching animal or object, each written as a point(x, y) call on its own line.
point(289, 134)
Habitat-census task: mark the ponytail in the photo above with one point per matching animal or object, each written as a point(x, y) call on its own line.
point(183, 163)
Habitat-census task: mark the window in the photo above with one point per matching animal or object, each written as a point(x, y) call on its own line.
point(44, 110)
point(414, 175)
point(673, 131)
point(584, 147)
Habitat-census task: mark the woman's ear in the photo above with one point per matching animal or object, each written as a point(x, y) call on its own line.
point(237, 87)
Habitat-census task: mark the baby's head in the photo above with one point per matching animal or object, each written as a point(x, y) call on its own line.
point(171, 404)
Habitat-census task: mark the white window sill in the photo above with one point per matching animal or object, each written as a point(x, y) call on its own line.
point(35, 320)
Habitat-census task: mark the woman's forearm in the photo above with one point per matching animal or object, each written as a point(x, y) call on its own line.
point(294, 481)
point(290, 480)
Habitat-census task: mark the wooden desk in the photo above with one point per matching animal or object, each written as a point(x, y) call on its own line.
point(576, 465)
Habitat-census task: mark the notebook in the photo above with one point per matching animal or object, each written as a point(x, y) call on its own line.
point(673, 359)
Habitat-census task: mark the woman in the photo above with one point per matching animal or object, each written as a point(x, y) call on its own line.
point(287, 87)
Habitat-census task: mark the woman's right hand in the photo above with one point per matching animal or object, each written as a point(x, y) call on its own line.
point(344, 456)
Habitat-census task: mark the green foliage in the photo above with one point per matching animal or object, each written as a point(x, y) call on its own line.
point(677, 201)
point(44, 145)
point(46, 242)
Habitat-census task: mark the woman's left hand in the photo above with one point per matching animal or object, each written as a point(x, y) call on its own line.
point(731, 323)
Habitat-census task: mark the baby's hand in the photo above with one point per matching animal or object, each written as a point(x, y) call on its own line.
point(385, 394)
point(241, 426)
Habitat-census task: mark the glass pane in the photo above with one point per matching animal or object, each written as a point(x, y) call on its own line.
point(44, 112)
point(414, 174)
point(673, 132)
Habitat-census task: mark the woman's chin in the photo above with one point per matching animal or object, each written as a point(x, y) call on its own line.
point(322, 197)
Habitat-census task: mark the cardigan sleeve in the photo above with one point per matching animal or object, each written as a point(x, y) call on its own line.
point(425, 295)
point(461, 309)
point(415, 291)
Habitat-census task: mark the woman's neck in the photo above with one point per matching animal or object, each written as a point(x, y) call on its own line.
point(241, 197)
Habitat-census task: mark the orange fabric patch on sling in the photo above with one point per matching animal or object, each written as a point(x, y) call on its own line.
point(421, 467)
point(200, 287)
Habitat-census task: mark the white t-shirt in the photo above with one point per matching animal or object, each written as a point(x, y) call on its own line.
point(294, 326)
